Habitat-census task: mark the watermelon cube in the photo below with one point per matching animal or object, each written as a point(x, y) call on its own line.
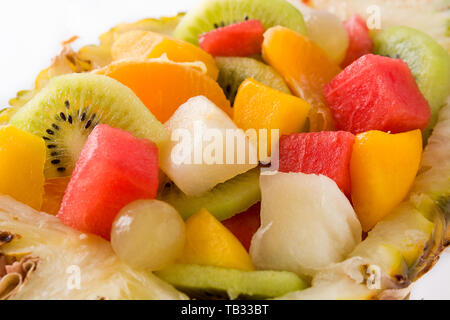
point(327, 153)
point(237, 40)
point(359, 43)
point(377, 93)
point(114, 169)
point(244, 225)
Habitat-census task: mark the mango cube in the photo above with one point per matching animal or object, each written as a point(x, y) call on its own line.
point(22, 160)
point(209, 242)
point(258, 106)
point(382, 170)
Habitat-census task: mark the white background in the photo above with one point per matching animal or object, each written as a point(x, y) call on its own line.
point(30, 34)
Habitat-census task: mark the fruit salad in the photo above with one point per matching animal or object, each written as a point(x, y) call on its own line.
point(246, 149)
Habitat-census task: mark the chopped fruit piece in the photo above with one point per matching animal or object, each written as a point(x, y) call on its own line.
point(163, 85)
point(148, 234)
point(114, 169)
point(22, 159)
point(326, 152)
point(208, 242)
point(307, 223)
point(141, 44)
point(359, 39)
point(206, 282)
point(382, 168)
point(404, 229)
point(199, 156)
point(236, 40)
point(245, 224)
point(54, 194)
point(377, 93)
point(306, 69)
point(260, 107)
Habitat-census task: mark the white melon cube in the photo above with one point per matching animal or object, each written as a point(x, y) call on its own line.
point(206, 147)
point(307, 224)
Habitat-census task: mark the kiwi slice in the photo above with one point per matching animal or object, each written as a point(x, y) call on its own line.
point(234, 70)
point(223, 201)
point(66, 111)
point(211, 14)
point(428, 61)
point(207, 282)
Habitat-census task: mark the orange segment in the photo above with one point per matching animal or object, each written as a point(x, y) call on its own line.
point(53, 194)
point(163, 85)
point(146, 45)
point(260, 107)
point(305, 67)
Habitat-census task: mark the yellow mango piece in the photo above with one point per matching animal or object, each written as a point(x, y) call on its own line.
point(141, 44)
point(258, 106)
point(208, 242)
point(305, 67)
point(382, 168)
point(22, 159)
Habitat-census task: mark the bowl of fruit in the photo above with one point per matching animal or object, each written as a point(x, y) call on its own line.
point(246, 149)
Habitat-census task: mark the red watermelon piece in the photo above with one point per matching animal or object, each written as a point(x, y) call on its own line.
point(327, 153)
point(244, 225)
point(360, 42)
point(377, 93)
point(114, 169)
point(238, 40)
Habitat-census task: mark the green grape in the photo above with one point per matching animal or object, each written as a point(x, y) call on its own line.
point(148, 234)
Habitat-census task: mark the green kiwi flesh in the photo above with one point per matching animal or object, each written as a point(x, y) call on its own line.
point(211, 14)
point(208, 282)
point(66, 111)
point(234, 70)
point(223, 201)
point(428, 61)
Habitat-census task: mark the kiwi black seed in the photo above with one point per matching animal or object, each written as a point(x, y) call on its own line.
point(71, 106)
point(64, 122)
